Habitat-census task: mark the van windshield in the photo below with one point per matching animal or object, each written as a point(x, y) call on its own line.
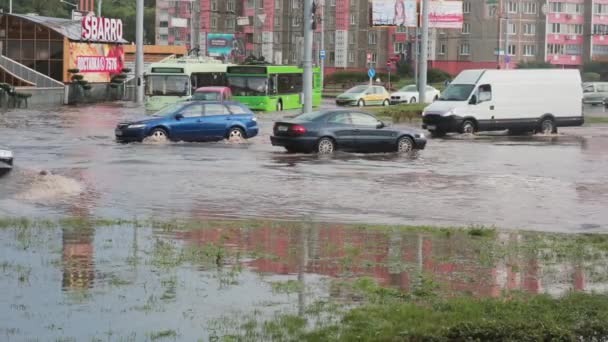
point(457, 92)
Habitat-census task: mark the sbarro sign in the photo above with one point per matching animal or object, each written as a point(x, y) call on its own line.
point(101, 29)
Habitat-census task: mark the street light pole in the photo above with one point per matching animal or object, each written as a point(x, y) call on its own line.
point(307, 60)
point(99, 8)
point(424, 52)
point(10, 6)
point(323, 42)
point(139, 51)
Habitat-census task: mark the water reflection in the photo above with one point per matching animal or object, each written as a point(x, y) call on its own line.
point(78, 258)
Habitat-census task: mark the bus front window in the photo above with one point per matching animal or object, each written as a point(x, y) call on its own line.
point(161, 85)
point(248, 86)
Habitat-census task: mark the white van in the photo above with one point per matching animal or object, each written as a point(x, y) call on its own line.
point(521, 101)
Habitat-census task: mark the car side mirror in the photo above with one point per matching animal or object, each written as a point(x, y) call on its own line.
point(179, 116)
point(380, 125)
point(473, 100)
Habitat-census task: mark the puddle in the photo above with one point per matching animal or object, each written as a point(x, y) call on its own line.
point(87, 280)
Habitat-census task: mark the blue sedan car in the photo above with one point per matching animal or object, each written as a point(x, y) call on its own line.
point(193, 121)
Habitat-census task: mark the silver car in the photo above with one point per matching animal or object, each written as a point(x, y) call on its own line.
point(595, 92)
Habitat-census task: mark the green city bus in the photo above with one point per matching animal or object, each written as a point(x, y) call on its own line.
point(271, 87)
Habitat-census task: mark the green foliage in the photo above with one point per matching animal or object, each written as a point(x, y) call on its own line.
point(591, 77)
point(600, 68)
point(402, 112)
point(50, 8)
point(535, 65)
point(77, 78)
point(437, 76)
point(356, 77)
point(73, 71)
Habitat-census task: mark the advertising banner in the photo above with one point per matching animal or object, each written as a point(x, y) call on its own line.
point(96, 62)
point(394, 13)
point(224, 44)
point(446, 14)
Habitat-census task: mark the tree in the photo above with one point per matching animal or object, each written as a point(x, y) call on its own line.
point(534, 65)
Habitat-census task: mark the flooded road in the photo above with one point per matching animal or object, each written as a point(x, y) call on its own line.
point(557, 183)
point(83, 281)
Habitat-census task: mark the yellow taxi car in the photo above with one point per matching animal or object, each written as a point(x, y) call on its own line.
point(364, 95)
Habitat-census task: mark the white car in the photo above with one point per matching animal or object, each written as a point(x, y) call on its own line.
point(409, 94)
point(6, 160)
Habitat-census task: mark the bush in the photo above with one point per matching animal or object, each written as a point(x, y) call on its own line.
point(73, 71)
point(358, 77)
point(535, 65)
point(591, 77)
point(403, 112)
point(77, 78)
point(437, 76)
point(600, 68)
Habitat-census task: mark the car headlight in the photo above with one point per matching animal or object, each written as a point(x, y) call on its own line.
point(137, 126)
point(254, 119)
point(421, 135)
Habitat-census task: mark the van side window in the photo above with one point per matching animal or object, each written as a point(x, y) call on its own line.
point(485, 93)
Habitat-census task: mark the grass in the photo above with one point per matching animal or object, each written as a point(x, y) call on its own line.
point(400, 113)
point(594, 120)
point(164, 334)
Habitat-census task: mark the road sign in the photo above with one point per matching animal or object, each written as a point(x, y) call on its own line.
point(322, 54)
point(371, 72)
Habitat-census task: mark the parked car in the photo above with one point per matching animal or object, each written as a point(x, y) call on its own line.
point(6, 160)
point(193, 121)
point(327, 131)
point(518, 100)
point(595, 92)
point(212, 94)
point(364, 95)
point(409, 94)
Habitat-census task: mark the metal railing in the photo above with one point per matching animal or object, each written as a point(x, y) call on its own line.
point(29, 75)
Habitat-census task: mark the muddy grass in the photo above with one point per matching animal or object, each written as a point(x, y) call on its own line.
point(282, 281)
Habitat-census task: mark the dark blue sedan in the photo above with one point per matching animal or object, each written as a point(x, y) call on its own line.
point(349, 130)
point(193, 121)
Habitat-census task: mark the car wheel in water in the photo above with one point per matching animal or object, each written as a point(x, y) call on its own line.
point(547, 126)
point(326, 146)
point(386, 103)
point(468, 127)
point(437, 134)
point(361, 103)
point(159, 134)
point(413, 100)
point(236, 133)
point(405, 145)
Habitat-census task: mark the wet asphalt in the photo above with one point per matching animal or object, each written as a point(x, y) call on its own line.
point(550, 183)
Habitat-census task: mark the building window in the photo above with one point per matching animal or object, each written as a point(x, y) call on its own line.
point(512, 29)
point(466, 28)
point(600, 9)
point(511, 50)
point(374, 57)
point(295, 3)
point(296, 21)
point(351, 56)
point(529, 50)
point(214, 6)
point(230, 24)
point(600, 29)
point(574, 50)
point(399, 47)
point(250, 3)
point(332, 39)
point(601, 50)
point(556, 28)
point(579, 8)
point(332, 3)
point(578, 29)
point(557, 7)
point(466, 7)
point(277, 4)
point(353, 19)
point(530, 29)
point(277, 21)
point(230, 6)
point(213, 22)
point(442, 49)
point(555, 49)
point(164, 24)
point(512, 7)
point(401, 29)
point(332, 57)
point(465, 49)
point(164, 37)
point(371, 38)
point(351, 38)
point(529, 7)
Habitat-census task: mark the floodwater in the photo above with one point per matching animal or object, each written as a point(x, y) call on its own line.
point(138, 282)
point(550, 183)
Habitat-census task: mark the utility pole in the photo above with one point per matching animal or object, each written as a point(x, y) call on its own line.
point(10, 6)
point(424, 52)
point(323, 42)
point(99, 7)
point(416, 57)
point(499, 20)
point(507, 57)
point(196, 26)
point(307, 60)
point(139, 51)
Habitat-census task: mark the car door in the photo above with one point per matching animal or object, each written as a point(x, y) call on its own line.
point(187, 122)
point(484, 109)
point(379, 95)
point(369, 96)
point(340, 124)
point(368, 136)
point(216, 122)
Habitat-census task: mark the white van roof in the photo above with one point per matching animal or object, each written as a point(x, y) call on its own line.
point(542, 75)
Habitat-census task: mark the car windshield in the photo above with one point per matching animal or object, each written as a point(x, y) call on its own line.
point(248, 86)
point(409, 88)
point(165, 85)
point(312, 116)
point(457, 92)
point(169, 110)
point(357, 90)
point(206, 96)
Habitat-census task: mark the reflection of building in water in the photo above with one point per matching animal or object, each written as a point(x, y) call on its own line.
point(78, 258)
point(457, 263)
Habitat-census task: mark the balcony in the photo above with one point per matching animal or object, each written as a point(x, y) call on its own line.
point(599, 40)
point(566, 18)
point(571, 39)
point(600, 19)
point(565, 59)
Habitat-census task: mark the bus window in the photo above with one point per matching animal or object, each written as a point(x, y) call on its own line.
point(177, 85)
point(208, 79)
point(248, 86)
point(290, 83)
